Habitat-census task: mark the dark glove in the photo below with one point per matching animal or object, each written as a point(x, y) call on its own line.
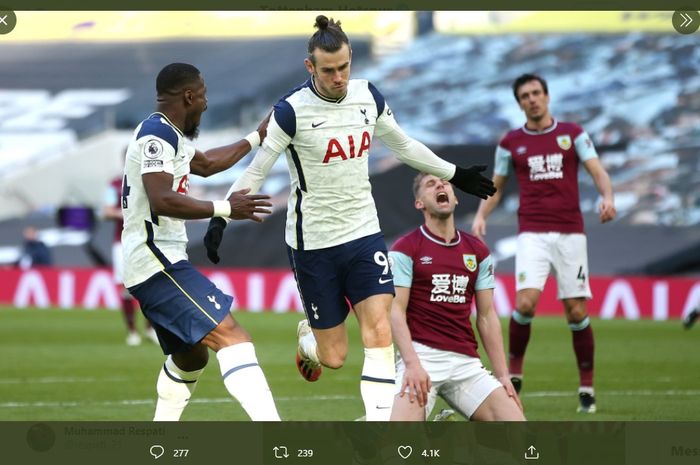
point(212, 239)
point(472, 182)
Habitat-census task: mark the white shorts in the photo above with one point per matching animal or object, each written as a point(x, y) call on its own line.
point(117, 263)
point(460, 379)
point(566, 254)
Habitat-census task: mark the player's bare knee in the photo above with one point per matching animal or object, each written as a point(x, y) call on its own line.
point(333, 357)
point(378, 336)
point(230, 339)
point(498, 406)
point(192, 360)
point(577, 316)
point(513, 414)
point(333, 361)
point(526, 306)
point(227, 333)
point(576, 310)
point(517, 415)
point(510, 412)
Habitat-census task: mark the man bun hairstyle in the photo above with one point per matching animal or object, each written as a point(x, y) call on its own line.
point(329, 37)
point(322, 22)
point(173, 78)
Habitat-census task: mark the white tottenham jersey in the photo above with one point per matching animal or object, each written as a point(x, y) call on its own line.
point(152, 242)
point(327, 144)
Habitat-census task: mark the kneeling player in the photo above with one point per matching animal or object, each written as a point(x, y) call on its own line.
point(438, 270)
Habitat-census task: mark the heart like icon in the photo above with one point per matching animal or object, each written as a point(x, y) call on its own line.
point(405, 451)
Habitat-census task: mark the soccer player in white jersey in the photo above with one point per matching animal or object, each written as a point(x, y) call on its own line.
point(189, 313)
point(335, 246)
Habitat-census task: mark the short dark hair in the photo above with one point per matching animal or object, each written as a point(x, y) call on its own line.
point(329, 37)
point(173, 77)
point(416, 182)
point(525, 78)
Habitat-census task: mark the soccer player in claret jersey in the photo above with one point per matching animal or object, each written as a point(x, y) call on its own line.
point(335, 246)
point(438, 272)
point(545, 155)
point(190, 314)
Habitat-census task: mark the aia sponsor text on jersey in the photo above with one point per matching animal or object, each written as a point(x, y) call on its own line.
point(335, 148)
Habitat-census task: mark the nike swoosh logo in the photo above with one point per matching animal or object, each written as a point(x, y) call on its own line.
point(384, 281)
point(315, 125)
point(382, 408)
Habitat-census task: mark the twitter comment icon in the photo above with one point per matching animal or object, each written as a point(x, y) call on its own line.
point(157, 451)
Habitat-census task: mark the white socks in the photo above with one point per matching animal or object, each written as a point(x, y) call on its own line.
point(246, 382)
point(309, 348)
point(174, 386)
point(586, 390)
point(377, 383)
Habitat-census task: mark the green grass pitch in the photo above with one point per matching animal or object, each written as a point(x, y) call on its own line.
point(74, 365)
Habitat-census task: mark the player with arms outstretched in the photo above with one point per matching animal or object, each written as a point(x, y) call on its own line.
point(189, 313)
point(545, 155)
point(438, 272)
point(335, 246)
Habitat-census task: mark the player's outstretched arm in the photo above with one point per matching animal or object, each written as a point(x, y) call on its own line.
point(222, 158)
point(416, 155)
point(252, 179)
point(213, 238)
point(489, 327)
point(276, 140)
point(245, 206)
point(471, 181)
point(164, 201)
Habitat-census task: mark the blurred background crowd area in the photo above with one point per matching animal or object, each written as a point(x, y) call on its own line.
point(73, 85)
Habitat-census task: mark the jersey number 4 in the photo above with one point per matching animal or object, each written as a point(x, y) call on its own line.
point(581, 275)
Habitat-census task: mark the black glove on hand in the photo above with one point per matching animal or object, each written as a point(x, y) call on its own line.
point(472, 182)
point(212, 239)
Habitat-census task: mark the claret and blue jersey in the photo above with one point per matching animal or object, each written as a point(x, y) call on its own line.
point(443, 278)
point(546, 166)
